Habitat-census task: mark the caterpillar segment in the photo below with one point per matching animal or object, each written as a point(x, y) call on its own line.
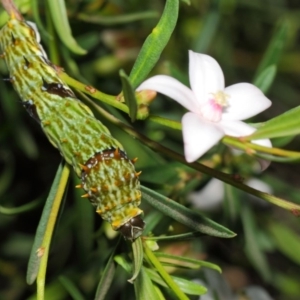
point(107, 175)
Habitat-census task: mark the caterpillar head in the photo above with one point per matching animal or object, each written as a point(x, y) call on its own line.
point(133, 228)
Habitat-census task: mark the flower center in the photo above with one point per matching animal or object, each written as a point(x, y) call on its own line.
point(213, 108)
point(221, 98)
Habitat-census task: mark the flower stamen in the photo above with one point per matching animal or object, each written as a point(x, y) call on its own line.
point(221, 98)
point(213, 108)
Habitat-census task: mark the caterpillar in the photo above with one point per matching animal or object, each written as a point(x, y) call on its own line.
point(100, 161)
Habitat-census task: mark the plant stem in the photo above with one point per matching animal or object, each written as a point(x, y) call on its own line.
point(45, 246)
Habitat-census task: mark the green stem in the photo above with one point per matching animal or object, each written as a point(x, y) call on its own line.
point(160, 269)
point(248, 147)
point(94, 93)
point(45, 246)
point(227, 178)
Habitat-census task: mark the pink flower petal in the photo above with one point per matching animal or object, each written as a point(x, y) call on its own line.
point(206, 76)
point(172, 88)
point(245, 100)
point(264, 164)
point(209, 197)
point(198, 136)
point(238, 129)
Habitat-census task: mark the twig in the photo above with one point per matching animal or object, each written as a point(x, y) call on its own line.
point(11, 9)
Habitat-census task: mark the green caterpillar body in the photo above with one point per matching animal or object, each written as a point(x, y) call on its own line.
point(107, 175)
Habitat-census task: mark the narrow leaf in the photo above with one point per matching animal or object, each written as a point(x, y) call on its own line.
point(155, 43)
point(273, 53)
point(184, 215)
point(287, 240)
point(144, 288)
point(72, 289)
point(117, 19)
point(106, 278)
point(129, 95)
point(152, 259)
point(20, 209)
point(266, 78)
point(121, 260)
point(35, 258)
point(61, 23)
point(84, 226)
point(38, 21)
point(186, 286)
point(138, 255)
point(283, 125)
point(252, 249)
point(186, 262)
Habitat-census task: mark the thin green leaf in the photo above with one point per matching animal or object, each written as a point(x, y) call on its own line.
point(186, 262)
point(122, 261)
point(117, 19)
point(152, 219)
point(34, 260)
point(26, 141)
point(84, 226)
point(186, 286)
point(232, 202)
point(155, 43)
point(20, 209)
point(61, 23)
point(138, 256)
point(144, 288)
point(252, 249)
point(152, 259)
point(189, 287)
point(266, 78)
point(175, 237)
point(286, 239)
point(38, 21)
point(129, 95)
point(210, 27)
point(184, 215)
point(285, 124)
point(72, 289)
point(106, 278)
point(273, 53)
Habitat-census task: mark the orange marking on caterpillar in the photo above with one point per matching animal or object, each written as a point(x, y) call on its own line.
point(94, 190)
point(85, 195)
point(137, 174)
point(46, 123)
point(117, 154)
point(105, 187)
point(127, 176)
point(84, 168)
point(118, 183)
point(134, 160)
point(79, 186)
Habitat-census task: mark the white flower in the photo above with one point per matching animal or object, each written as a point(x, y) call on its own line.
point(214, 111)
point(211, 196)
